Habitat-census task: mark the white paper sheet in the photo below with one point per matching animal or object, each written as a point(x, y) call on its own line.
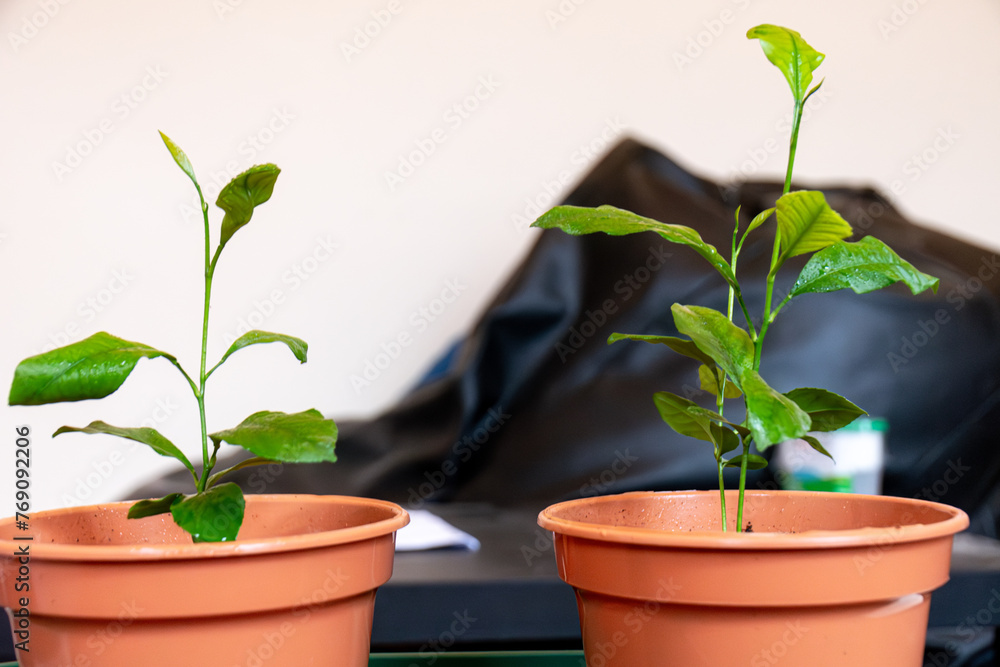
point(429, 531)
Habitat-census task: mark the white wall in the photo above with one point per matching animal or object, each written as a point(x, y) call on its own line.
point(107, 242)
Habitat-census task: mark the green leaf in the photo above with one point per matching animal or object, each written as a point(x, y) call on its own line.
point(710, 378)
point(754, 462)
point(684, 416)
point(246, 463)
point(91, 368)
point(298, 346)
point(817, 445)
point(864, 266)
point(242, 194)
point(828, 411)
point(144, 508)
point(302, 437)
point(729, 346)
point(145, 435)
point(771, 416)
point(725, 440)
point(789, 53)
point(679, 345)
point(212, 516)
point(759, 220)
point(578, 220)
point(807, 224)
point(180, 158)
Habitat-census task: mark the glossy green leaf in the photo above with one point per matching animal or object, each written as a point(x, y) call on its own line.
point(180, 158)
point(771, 416)
point(241, 195)
point(807, 223)
point(684, 416)
point(726, 440)
point(144, 508)
point(91, 368)
point(578, 220)
point(729, 346)
point(710, 379)
point(817, 445)
point(863, 266)
point(298, 346)
point(145, 435)
point(828, 411)
point(754, 462)
point(681, 346)
point(789, 53)
point(212, 516)
point(302, 437)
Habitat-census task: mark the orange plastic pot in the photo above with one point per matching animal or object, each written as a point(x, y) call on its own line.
point(824, 579)
point(296, 588)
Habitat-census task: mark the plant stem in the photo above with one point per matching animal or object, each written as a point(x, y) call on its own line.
point(769, 314)
point(722, 494)
point(743, 488)
point(202, 375)
point(793, 145)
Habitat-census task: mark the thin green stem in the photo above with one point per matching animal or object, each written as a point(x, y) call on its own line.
point(743, 488)
point(203, 375)
point(722, 494)
point(770, 314)
point(793, 145)
point(746, 314)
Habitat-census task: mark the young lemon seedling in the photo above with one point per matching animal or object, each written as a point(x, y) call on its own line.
point(729, 354)
point(97, 366)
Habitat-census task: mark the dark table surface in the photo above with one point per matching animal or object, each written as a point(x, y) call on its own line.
point(509, 595)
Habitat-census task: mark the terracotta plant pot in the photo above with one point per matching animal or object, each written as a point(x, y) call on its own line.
point(296, 588)
point(824, 579)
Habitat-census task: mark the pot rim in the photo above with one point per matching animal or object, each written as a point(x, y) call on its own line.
point(956, 520)
point(131, 552)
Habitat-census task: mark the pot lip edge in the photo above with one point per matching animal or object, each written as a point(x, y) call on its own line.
point(865, 537)
point(188, 551)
